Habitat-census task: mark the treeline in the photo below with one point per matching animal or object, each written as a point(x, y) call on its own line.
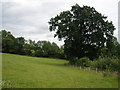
point(108, 59)
point(19, 45)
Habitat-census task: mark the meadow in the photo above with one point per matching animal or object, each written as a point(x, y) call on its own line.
point(31, 72)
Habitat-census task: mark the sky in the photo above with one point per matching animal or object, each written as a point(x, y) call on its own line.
point(29, 18)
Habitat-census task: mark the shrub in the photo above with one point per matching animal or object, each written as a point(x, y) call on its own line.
point(106, 63)
point(83, 62)
point(73, 60)
point(115, 65)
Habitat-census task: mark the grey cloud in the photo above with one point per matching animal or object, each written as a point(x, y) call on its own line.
point(39, 30)
point(51, 7)
point(50, 35)
point(15, 14)
point(31, 21)
point(20, 30)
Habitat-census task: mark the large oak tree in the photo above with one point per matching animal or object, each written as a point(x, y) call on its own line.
point(84, 31)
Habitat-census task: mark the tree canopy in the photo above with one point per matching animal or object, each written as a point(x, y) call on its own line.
point(84, 31)
point(19, 45)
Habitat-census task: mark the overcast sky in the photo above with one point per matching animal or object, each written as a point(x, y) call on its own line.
point(29, 18)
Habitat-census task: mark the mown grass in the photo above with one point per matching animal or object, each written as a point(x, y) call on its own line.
point(31, 72)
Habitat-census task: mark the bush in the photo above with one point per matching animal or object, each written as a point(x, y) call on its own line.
point(115, 65)
point(102, 63)
point(83, 62)
point(73, 60)
point(106, 63)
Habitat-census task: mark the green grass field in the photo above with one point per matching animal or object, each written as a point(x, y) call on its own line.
point(31, 72)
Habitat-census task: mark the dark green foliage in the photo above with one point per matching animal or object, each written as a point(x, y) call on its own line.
point(8, 41)
point(83, 62)
point(102, 63)
point(10, 44)
point(118, 51)
point(47, 49)
point(87, 33)
point(106, 63)
point(73, 60)
point(84, 31)
point(19, 45)
point(113, 48)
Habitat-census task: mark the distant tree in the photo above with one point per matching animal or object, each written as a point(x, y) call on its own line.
point(47, 49)
point(29, 47)
point(39, 51)
point(84, 31)
point(114, 47)
point(8, 41)
point(111, 49)
point(55, 51)
point(19, 45)
point(62, 55)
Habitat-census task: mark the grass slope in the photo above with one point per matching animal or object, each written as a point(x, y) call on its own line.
point(31, 72)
